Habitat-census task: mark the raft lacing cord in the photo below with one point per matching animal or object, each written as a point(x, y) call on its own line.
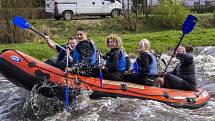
point(109, 88)
point(199, 93)
point(143, 94)
point(36, 65)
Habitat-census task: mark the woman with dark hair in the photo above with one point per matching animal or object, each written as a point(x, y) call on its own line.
point(85, 53)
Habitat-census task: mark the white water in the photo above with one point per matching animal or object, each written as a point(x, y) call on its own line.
point(19, 104)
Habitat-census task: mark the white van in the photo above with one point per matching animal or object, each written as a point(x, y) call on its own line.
point(68, 8)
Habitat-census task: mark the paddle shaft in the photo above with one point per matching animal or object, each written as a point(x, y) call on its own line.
point(174, 52)
point(100, 72)
point(42, 35)
point(67, 86)
point(67, 92)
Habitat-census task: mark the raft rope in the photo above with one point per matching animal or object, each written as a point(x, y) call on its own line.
point(112, 88)
point(36, 65)
point(147, 94)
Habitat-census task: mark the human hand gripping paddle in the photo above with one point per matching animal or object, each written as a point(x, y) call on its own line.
point(187, 27)
point(23, 24)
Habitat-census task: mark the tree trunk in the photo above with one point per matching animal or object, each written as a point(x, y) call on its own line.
point(10, 9)
point(136, 15)
point(146, 8)
point(128, 15)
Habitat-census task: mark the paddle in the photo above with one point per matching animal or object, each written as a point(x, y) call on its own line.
point(100, 72)
point(22, 23)
point(187, 27)
point(67, 86)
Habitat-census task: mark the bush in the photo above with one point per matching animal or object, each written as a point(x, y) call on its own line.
point(8, 32)
point(169, 15)
point(212, 21)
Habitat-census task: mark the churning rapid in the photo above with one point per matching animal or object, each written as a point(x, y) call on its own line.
point(18, 104)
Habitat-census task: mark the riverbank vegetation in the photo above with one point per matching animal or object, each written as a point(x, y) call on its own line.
point(162, 28)
point(160, 42)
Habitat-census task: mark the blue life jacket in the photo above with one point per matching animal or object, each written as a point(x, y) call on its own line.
point(135, 68)
point(122, 62)
point(152, 65)
point(92, 61)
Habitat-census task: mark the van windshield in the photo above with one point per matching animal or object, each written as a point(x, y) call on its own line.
point(118, 1)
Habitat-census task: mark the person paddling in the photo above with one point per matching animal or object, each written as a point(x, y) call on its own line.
point(183, 76)
point(60, 61)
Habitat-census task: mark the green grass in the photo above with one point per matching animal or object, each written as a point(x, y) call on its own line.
point(160, 42)
point(99, 29)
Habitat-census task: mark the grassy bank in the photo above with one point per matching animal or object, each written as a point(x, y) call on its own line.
point(160, 42)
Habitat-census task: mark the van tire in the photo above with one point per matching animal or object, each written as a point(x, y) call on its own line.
point(67, 15)
point(57, 17)
point(115, 13)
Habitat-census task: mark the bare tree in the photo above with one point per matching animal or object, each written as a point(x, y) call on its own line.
point(146, 10)
point(128, 15)
point(136, 15)
point(131, 15)
point(9, 9)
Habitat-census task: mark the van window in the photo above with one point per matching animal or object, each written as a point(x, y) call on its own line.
point(113, 0)
point(118, 1)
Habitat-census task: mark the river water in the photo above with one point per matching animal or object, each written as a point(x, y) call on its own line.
point(17, 104)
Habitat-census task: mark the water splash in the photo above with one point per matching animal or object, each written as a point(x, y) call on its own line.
point(14, 105)
point(39, 106)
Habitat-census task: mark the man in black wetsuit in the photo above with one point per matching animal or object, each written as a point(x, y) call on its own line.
point(183, 76)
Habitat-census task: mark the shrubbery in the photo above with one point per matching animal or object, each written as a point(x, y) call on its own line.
point(212, 21)
point(8, 32)
point(169, 15)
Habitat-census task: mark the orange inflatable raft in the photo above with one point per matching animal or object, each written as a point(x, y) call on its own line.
point(28, 72)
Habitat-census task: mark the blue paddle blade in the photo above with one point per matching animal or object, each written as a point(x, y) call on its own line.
point(100, 77)
point(189, 24)
point(20, 22)
point(67, 97)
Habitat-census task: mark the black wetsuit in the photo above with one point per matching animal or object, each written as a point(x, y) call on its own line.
point(60, 62)
point(143, 64)
point(143, 77)
point(85, 49)
point(128, 63)
point(111, 68)
point(183, 76)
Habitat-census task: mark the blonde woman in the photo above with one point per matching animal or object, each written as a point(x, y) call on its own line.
point(115, 58)
point(145, 66)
